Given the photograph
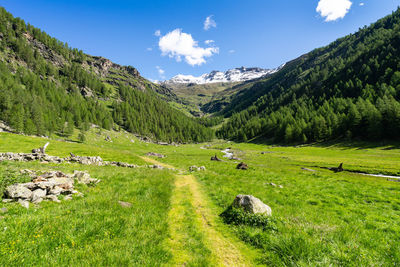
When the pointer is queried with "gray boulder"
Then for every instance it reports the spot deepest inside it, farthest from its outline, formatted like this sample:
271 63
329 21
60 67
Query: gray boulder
18 191
56 190
251 204
52 198
24 203
38 195
84 178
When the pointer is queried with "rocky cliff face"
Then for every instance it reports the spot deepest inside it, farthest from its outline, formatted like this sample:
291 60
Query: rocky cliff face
108 71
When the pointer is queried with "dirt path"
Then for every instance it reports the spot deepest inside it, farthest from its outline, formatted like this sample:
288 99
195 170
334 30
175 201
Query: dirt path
155 162
224 251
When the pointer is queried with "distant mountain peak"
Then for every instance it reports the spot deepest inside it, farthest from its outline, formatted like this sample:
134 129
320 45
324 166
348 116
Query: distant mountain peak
241 74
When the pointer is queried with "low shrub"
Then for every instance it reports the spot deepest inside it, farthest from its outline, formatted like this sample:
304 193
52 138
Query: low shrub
238 216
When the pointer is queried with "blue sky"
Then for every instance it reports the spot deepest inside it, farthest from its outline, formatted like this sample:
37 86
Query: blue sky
250 33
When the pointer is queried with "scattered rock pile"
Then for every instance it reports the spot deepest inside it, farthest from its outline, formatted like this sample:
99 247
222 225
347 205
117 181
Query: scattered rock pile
242 166
29 157
40 155
47 186
119 164
155 155
251 204
195 168
98 161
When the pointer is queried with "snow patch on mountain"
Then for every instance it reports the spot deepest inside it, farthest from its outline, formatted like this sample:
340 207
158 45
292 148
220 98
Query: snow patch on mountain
233 75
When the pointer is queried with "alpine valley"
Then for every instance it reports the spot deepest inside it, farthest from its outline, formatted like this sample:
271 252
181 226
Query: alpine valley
293 166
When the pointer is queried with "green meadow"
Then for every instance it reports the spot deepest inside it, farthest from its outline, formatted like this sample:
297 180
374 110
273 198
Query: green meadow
319 218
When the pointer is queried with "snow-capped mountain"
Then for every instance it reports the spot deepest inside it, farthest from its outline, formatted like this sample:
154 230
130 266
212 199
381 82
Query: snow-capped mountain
233 75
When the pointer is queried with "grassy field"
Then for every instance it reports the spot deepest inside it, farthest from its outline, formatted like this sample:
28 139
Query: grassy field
319 218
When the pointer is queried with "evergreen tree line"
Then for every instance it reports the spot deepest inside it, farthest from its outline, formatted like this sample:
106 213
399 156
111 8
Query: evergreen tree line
302 121
34 106
40 97
350 88
145 114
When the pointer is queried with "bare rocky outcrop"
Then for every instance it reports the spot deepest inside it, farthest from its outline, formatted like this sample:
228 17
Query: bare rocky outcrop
251 204
47 186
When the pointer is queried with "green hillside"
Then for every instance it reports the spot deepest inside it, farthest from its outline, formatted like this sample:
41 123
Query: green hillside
350 88
48 87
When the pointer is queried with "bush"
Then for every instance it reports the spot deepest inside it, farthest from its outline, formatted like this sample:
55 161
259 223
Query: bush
237 216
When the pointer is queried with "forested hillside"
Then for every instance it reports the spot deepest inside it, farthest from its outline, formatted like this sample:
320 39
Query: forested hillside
350 88
46 87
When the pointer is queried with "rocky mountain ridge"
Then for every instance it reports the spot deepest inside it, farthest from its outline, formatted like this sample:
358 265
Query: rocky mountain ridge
241 74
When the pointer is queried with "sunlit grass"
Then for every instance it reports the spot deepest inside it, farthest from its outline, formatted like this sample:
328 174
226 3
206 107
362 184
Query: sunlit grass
321 218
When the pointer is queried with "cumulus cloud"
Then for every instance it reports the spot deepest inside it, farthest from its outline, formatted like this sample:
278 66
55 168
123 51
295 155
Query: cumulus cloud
362 4
161 72
209 23
333 10
157 33
208 42
178 45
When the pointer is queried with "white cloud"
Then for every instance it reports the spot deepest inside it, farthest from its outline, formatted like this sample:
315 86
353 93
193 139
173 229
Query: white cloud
208 42
157 33
149 49
161 72
362 4
209 23
177 44
231 51
333 10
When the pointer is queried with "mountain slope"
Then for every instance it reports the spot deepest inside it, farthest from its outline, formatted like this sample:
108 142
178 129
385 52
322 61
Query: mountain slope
48 88
350 88
233 75
197 94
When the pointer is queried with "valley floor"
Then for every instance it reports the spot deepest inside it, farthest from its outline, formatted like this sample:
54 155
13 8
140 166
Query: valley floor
319 217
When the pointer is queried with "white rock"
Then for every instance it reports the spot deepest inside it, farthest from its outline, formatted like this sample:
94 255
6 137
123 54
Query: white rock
18 191
56 190
24 203
251 204
52 198
38 195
